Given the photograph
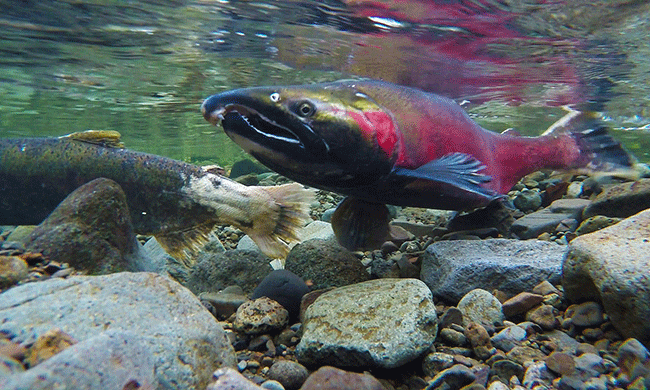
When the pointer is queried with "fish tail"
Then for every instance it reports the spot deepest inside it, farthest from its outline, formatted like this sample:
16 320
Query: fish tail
599 152
279 228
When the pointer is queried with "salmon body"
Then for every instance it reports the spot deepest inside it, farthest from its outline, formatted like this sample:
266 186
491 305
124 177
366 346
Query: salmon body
177 202
386 143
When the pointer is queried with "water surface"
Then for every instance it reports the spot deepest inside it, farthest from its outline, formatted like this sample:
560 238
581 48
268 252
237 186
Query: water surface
143 67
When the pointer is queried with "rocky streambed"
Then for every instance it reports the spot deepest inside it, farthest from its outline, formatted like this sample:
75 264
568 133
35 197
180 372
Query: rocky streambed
552 292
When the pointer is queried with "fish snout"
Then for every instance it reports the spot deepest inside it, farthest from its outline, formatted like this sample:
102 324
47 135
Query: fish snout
211 111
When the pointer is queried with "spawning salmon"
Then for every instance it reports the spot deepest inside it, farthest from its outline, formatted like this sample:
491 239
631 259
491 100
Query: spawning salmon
388 144
177 202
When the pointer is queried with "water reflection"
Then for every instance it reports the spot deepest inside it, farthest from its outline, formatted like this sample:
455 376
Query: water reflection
143 67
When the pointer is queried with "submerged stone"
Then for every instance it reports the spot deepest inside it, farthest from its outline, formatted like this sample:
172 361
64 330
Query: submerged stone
128 326
453 268
91 230
381 323
611 266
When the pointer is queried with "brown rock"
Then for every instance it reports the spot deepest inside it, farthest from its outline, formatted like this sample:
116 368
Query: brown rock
12 350
290 374
545 288
263 315
523 354
47 345
521 303
331 378
451 316
480 340
13 269
543 316
91 230
561 363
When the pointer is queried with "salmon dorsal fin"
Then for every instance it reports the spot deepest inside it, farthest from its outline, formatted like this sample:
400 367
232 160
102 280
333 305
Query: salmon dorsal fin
184 245
107 138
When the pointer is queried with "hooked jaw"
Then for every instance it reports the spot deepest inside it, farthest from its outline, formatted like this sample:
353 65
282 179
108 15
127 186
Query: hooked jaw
247 122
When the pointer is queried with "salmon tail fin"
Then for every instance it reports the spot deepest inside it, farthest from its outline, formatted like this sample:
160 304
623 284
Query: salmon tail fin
599 151
184 245
288 215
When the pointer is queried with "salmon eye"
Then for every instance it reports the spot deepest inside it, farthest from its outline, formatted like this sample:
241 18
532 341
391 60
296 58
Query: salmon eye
305 109
275 97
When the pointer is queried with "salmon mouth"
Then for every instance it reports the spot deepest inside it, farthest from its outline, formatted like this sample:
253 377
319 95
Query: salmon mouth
250 123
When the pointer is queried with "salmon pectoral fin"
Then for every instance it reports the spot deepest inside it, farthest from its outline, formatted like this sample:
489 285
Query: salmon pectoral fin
456 169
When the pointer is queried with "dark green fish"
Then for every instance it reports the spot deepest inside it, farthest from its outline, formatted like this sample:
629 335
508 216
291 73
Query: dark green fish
178 203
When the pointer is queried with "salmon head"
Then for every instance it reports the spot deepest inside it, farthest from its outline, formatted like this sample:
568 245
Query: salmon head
330 136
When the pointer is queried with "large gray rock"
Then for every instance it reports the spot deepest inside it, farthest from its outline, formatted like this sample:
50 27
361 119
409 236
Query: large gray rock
91 230
171 327
381 323
111 360
621 200
546 220
453 268
611 266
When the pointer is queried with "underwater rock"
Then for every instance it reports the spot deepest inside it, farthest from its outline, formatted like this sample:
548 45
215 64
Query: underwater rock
47 345
453 268
454 377
215 271
521 303
547 219
227 378
595 223
509 338
331 378
13 269
325 263
148 323
262 315
110 360
20 233
91 230
611 266
528 200
284 287
317 229
290 374
586 314
544 316
621 200
481 307
9 366
382 323
225 302
634 360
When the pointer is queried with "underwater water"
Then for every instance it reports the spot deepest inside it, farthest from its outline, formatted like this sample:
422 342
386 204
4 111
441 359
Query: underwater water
143 67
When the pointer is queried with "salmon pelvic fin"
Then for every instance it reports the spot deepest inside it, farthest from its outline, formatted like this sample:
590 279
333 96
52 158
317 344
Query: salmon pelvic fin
598 150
